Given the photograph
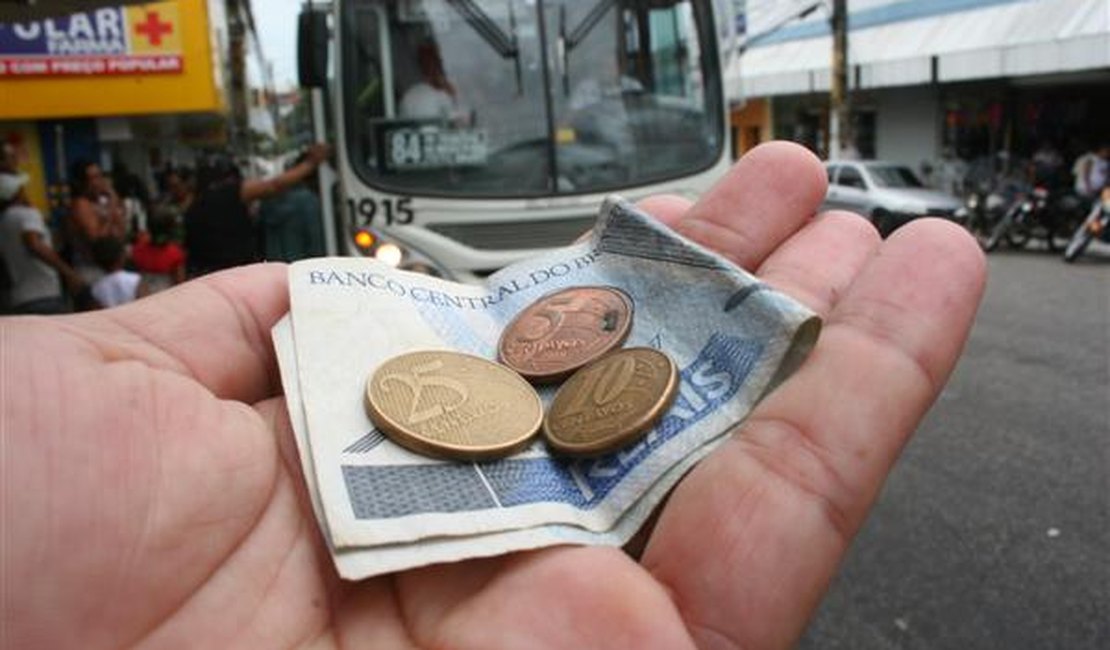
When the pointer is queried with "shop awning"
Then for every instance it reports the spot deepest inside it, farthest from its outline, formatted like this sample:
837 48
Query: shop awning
888 47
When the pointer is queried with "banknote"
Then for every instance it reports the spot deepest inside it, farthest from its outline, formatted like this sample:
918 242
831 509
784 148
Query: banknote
731 336
365 562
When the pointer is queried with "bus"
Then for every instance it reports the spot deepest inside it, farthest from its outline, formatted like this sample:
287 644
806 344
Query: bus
473 133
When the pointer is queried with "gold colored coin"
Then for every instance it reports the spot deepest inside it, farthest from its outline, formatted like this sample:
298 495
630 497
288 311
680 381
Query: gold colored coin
564 331
611 402
453 405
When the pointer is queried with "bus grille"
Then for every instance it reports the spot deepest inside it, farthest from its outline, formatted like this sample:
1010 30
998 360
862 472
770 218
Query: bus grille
514 235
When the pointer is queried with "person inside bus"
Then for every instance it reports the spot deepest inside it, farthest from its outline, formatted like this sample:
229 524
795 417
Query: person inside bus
160 497
433 97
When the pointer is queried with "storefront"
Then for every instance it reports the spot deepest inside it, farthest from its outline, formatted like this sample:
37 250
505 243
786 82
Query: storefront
933 80
137 86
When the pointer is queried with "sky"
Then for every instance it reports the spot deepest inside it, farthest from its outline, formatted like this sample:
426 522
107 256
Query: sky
276 22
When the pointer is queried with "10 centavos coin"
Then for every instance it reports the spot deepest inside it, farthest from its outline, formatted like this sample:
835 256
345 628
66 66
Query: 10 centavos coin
611 402
453 405
563 331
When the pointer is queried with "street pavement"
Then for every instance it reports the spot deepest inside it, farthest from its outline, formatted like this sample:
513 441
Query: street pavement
993 531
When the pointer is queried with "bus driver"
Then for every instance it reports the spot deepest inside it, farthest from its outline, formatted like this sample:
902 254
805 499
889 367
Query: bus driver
433 97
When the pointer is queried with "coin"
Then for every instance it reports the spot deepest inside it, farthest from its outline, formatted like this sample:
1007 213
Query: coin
453 405
611 402
563 331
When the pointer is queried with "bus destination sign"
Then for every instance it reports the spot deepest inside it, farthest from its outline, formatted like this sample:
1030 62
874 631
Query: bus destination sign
411 147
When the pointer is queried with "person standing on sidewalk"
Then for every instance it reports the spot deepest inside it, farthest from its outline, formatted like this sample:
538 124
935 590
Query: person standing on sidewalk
1092 171
292 223
117 286
96 212
219 230
32 264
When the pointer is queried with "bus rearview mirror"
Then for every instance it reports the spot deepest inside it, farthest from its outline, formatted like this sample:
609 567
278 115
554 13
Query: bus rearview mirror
312 48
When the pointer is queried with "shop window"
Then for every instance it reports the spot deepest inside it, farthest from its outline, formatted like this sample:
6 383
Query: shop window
863 130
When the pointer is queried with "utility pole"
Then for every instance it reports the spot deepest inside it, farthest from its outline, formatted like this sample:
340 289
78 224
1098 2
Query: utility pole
237 77
840 104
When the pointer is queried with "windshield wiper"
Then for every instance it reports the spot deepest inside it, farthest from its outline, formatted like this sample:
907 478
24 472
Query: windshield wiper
568 42
579 33
504 44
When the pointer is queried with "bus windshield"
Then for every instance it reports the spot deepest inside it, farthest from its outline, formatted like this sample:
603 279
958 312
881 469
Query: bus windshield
528 98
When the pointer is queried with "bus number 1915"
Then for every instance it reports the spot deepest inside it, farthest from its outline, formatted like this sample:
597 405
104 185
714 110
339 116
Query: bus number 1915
366 210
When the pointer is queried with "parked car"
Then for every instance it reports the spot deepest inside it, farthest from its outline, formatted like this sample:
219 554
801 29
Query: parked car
887 193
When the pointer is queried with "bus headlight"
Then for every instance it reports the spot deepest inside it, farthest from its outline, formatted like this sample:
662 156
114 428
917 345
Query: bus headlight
396 254
390 253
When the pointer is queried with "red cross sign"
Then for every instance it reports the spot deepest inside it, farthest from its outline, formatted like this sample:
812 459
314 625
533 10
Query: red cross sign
154 28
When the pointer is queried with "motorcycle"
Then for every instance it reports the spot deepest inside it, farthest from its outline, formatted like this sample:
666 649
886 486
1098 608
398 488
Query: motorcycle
1097 224
985 205
1035 214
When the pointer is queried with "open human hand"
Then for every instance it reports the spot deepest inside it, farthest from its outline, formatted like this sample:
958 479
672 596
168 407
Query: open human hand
152 497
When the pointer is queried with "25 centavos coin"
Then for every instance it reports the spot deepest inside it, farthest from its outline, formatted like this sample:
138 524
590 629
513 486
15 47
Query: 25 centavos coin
453 405
611 402
563 331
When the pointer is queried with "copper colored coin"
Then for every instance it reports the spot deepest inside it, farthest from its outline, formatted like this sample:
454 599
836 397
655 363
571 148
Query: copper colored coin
565 330
453 405
611 402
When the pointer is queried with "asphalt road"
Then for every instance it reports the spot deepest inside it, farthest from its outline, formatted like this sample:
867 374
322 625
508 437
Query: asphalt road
993 531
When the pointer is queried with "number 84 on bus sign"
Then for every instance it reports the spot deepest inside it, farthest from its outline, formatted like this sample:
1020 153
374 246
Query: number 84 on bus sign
429 147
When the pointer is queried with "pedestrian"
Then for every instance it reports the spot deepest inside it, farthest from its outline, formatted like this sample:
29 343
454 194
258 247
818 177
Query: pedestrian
1091 171
176 188
1045 166
292 223
134 197
156 255
34 269
9 158
117 286
219 231
95 212
152 451
848 150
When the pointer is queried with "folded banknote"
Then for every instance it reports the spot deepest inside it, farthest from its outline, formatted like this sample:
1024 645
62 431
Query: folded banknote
731 336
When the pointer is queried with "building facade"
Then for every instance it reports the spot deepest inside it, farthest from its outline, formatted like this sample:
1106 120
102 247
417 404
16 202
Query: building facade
935 79
137 86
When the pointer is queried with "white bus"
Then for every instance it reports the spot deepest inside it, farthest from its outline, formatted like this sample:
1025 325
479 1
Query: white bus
472 133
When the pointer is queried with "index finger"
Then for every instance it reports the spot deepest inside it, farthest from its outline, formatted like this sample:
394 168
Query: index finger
764 198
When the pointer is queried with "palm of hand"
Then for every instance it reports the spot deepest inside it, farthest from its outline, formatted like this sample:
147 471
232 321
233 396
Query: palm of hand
150 505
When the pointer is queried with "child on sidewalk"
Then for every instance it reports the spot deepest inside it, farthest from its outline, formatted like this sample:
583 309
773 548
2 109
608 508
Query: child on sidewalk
156 255
117 286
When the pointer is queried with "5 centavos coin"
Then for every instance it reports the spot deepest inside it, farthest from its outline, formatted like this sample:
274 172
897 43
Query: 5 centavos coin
611 402
563 331
453 405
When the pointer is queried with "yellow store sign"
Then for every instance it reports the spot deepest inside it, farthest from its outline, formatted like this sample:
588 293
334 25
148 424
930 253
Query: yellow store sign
138 59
